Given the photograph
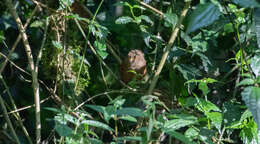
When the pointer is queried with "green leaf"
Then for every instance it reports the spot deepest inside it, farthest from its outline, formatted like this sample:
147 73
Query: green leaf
170 19
147 19
97 124
129 138
206 106
255 65
251 97
247 3
191 133
231 114
62 129
257 24
204 15
247 81
178 123
246 115
179 136
216 118
124 20
128 118
135 112
106 111
204 88
101 49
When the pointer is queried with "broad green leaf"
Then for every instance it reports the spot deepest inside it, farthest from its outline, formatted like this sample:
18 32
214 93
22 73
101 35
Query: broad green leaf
231 114
246 115
62 129
216 118
247 81
188 71
106 111
206 106
128 118
97 124
247 3
255 65
179 136
257 24
170 19
203 15
129 138
251 96
206 135
199 44
204 88
177 123
191 133
147 19
124 20
249 133
135 112
101 49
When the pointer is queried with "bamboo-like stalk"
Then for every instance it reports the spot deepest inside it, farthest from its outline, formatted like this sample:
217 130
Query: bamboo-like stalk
169 46
8 119
32 67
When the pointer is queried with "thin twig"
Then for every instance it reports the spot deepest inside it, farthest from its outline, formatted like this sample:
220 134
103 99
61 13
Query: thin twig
16 115
8 120
169 46
152 8
18 39
26 107
35 83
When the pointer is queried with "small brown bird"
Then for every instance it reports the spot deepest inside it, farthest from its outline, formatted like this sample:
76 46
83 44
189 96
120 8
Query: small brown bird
135 61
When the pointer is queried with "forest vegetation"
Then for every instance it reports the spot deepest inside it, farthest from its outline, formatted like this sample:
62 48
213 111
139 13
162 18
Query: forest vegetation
129 71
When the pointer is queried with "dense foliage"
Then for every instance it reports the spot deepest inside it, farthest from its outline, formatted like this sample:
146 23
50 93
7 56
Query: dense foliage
60 79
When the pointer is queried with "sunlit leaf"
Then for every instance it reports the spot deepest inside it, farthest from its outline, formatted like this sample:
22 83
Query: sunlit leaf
246 81
101 49
124 20
97 124
177 123
216 118
251 96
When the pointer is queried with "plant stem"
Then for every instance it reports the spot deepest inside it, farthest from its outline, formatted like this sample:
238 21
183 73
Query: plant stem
35 83
168 48
8 119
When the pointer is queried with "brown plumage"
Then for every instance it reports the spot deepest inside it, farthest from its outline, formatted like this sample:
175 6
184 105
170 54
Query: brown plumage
134 61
